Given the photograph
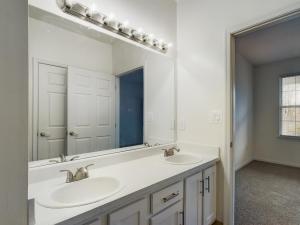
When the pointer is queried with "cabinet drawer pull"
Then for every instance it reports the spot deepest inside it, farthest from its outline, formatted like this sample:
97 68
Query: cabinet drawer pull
171 196
202 187
208 184
181 217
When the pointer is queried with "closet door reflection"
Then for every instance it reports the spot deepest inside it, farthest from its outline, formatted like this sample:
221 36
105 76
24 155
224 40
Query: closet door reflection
91 111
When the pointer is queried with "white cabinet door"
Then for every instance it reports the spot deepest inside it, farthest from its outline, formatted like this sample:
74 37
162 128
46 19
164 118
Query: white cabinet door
91 111
194 190
52 111
134 214
209 203
171 216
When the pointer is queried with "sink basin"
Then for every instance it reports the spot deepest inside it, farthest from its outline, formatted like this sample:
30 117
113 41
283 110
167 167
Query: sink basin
80 193
182 159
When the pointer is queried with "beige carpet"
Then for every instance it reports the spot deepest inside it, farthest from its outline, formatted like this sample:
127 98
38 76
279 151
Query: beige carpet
267 194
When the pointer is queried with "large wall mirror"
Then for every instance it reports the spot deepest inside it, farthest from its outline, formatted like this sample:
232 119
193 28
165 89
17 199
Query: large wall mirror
91 93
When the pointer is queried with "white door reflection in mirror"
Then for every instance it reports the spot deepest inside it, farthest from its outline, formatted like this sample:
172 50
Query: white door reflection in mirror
91 111
52 111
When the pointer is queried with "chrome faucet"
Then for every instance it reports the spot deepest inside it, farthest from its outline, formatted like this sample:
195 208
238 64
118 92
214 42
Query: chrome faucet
81 173
63 158
170 151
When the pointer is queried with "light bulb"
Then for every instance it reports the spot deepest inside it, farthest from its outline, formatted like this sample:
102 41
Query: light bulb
137 34
124 28
111 16
140 30
93 8
125 23
69 3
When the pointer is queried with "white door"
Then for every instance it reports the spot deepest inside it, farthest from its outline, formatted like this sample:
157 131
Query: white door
171 216
194 190
134 214
209 203
91 111
52 111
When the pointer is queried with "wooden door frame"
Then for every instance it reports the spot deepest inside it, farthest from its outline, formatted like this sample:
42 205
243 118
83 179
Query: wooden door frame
231 35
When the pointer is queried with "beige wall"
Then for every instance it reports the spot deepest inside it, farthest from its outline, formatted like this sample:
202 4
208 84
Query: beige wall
243 140
268 147
13 112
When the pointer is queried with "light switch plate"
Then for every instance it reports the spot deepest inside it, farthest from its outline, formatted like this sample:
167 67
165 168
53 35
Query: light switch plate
216 116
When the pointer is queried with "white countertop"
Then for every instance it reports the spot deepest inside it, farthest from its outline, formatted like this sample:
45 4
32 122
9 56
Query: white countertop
135 175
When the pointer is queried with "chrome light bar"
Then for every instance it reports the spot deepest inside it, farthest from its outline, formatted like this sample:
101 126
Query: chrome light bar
108 22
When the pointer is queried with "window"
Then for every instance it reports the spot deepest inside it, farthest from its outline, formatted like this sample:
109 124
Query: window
290 106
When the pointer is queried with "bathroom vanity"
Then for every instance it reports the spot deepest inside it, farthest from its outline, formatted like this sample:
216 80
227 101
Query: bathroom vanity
151 190
102 146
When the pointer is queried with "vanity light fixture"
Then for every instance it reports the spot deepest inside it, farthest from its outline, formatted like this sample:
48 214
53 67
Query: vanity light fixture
95 17
75 8
138 34
92 15
125 29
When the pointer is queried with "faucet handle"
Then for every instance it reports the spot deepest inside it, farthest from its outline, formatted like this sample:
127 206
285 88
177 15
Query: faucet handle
177 149
86 169
82 173
70 176
89 165
75 157
62 157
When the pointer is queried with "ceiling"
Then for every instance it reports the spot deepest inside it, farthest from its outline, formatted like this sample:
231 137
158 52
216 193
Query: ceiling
275 43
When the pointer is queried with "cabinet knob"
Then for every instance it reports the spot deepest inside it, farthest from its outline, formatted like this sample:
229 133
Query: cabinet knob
73 134
44 134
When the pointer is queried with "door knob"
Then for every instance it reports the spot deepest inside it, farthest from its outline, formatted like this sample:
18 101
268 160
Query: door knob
44 134
72 133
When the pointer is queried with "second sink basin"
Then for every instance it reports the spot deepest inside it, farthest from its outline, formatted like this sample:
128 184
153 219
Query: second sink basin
80 192
183 159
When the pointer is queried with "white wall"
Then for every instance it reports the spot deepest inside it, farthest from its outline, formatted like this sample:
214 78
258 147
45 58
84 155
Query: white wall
201 39
243 140
50 42
13 112
159 77
268 147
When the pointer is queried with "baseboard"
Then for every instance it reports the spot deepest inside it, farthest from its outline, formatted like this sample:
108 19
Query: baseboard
243 164
277 162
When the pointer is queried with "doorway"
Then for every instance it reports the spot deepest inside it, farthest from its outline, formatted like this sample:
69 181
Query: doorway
131 108
233 113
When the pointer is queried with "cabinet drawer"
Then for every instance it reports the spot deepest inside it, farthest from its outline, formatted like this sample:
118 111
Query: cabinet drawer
166 197
171 215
